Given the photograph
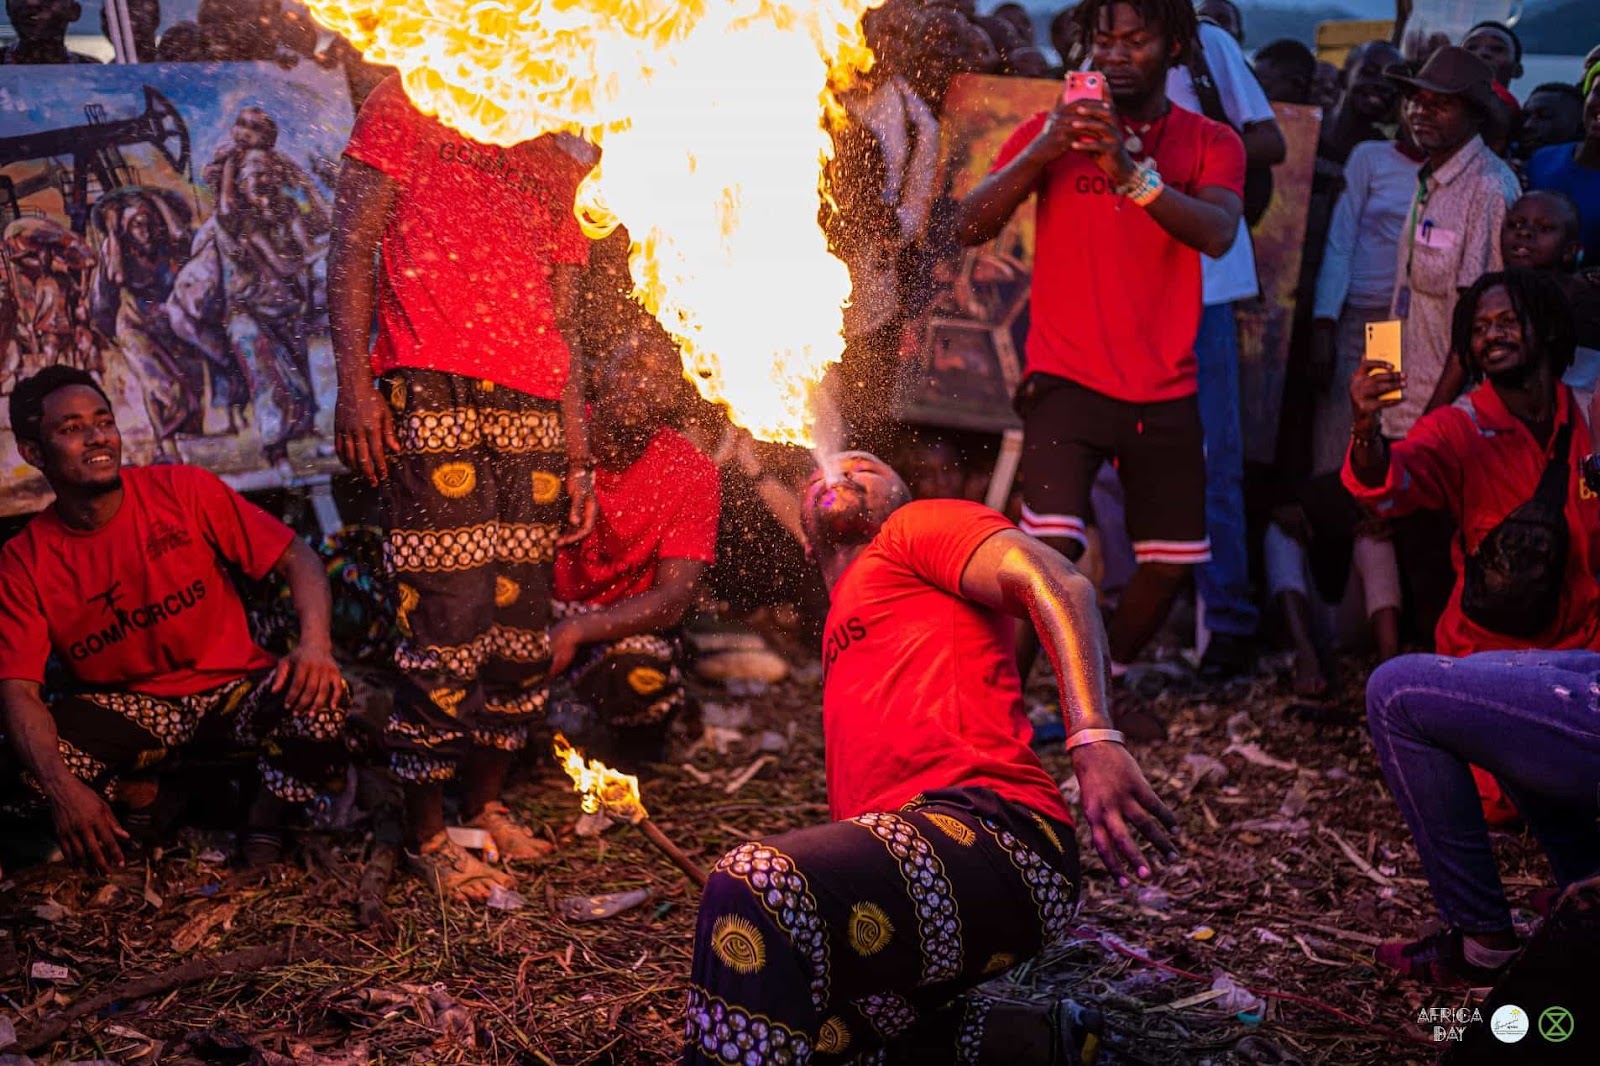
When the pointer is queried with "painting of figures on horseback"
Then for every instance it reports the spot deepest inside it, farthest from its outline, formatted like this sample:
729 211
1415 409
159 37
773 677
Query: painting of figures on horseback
166 228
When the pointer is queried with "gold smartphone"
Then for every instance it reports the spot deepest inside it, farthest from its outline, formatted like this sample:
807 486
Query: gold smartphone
1383 346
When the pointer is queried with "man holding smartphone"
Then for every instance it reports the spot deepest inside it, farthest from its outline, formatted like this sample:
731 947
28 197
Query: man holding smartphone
1131 190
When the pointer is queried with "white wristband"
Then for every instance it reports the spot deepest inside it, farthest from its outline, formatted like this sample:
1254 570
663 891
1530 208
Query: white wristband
1094 736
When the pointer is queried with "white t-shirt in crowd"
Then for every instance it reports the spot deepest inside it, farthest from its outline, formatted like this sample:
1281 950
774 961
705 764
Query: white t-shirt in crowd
1369 220
1233 276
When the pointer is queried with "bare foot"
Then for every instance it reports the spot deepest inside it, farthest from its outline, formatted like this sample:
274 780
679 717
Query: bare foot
1309 680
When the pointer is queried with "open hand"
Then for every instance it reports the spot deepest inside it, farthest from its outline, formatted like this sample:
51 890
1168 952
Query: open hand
1117 800
363 431
1055 138
311 676
85 827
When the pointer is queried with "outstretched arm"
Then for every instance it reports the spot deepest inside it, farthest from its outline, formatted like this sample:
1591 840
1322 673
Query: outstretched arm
1013 573
89 834
1016 574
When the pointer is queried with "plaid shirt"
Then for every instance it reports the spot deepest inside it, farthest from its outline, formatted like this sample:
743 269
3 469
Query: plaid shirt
1451 238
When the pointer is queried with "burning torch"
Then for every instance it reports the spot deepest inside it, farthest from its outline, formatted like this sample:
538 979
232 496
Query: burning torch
617 794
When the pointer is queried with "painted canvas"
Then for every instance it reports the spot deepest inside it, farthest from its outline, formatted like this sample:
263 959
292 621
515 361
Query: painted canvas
166 227
1266 321
962 349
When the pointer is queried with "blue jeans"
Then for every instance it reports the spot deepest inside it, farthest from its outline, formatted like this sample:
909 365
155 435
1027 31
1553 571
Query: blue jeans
1531 718
1224 582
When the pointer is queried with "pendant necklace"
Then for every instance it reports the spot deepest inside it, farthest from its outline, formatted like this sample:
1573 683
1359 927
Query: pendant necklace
1133 136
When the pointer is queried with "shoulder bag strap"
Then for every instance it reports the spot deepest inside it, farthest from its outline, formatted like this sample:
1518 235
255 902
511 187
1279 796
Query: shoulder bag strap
1205 86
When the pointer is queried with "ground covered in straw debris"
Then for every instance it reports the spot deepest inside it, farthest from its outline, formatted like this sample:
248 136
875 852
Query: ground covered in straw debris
1296 865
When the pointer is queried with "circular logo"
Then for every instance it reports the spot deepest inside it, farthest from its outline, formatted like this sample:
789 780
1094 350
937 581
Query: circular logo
455 480
546 487
1555 1024
1509 1024
645 680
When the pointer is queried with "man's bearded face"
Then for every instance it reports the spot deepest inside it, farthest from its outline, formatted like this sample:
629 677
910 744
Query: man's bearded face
853 507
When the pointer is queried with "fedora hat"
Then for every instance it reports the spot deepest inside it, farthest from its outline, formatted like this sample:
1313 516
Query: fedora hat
1452 71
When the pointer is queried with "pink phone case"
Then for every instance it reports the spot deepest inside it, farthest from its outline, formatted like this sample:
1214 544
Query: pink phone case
1083 85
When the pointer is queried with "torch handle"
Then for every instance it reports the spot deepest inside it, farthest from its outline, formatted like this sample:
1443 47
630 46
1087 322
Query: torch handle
671 851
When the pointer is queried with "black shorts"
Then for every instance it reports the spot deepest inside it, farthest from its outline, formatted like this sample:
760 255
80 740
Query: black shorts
1068 430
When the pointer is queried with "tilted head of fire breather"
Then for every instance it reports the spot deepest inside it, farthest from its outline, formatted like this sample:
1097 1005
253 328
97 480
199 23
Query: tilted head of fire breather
842 512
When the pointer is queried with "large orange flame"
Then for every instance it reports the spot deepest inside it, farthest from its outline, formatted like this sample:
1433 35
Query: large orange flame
711 115
602 788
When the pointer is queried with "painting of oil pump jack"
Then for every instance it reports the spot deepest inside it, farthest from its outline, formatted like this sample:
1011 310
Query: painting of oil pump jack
166 227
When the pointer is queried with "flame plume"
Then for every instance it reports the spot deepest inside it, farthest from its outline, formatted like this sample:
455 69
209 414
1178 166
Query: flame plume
712 116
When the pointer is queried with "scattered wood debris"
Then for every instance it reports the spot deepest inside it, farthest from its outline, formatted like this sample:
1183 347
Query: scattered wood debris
1257 942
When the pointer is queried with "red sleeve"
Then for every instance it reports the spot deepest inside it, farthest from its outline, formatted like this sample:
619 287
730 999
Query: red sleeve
386 132
1019 139
935 539
693 531
237 529
24 632
1222 165
1423 468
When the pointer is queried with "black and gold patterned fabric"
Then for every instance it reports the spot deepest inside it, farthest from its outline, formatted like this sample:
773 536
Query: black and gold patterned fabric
473 505
849 941
105 737
633 682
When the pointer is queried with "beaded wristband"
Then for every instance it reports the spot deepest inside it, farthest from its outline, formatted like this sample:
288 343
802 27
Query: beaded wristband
1094 736
1144 186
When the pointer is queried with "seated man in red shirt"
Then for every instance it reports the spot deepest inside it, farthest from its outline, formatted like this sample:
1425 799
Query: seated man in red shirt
123 578
620 592
952 856
1513 447
1131 190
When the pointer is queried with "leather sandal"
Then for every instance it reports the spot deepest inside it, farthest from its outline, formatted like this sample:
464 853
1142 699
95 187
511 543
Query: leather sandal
517 843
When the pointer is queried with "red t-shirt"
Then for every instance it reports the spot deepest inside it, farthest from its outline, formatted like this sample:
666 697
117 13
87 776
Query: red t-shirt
1116 298
1480 465
664 506
143 602
469 247
920 688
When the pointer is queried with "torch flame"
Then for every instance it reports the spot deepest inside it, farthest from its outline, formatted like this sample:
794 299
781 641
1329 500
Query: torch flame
602 788
712 116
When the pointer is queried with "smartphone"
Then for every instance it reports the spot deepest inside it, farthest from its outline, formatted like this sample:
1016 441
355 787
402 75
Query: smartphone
1083 85
1383 346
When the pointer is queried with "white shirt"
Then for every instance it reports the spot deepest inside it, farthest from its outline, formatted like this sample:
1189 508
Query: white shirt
1233 276
1358 265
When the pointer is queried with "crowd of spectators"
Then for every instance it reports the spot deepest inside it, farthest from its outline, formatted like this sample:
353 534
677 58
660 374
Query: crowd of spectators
560 517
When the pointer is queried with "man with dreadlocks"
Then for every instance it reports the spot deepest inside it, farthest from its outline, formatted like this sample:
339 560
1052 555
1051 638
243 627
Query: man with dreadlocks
1496 463
1131 190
